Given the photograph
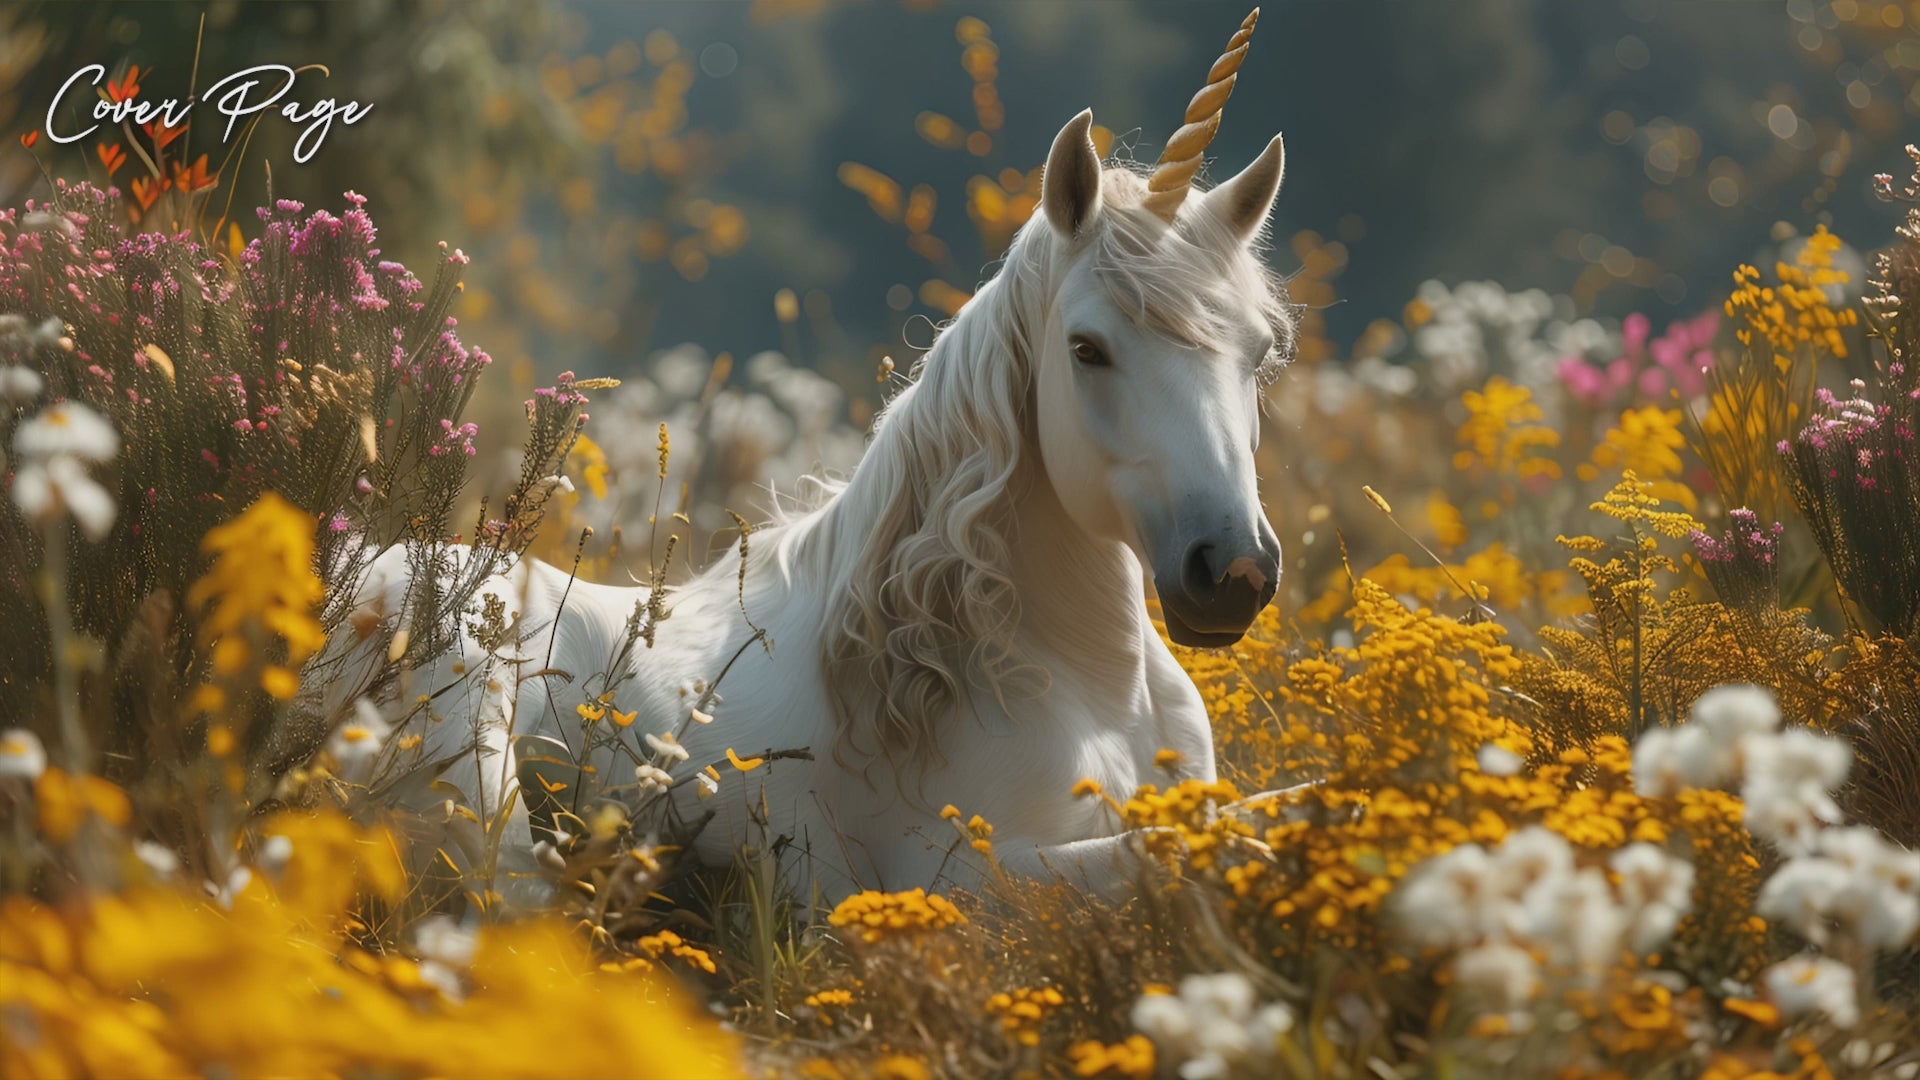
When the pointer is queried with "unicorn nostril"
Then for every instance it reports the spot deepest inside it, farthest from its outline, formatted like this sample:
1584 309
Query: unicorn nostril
1196 570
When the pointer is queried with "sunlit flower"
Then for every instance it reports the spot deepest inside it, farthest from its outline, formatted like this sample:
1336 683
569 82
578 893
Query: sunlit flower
1211 1027
1656 888
1444 903
1497 760
67 429
1668 760
19 384
1808 983
1502 975
21 755
356 744
1735 711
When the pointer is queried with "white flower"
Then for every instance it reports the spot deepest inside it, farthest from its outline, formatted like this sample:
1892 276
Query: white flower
1162 1018
237 881
1801 894
667 747
1788 819
159 859
19 383
21 755
1798 758
709 785
1228 994
1504 976
1667 761
1526 859
1656 889
356 744
653 779
1865 849
1211 1028
44 488
440 939
1733 712
699 717
67 429
1443 903
1271 1022
1496 760
274 852
1578 921
1808 983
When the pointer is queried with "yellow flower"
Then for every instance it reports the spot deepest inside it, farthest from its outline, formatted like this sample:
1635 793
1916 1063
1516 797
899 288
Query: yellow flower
66 800
879 915
262 574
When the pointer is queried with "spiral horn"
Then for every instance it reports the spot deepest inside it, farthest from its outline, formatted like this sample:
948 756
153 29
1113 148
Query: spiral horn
1173 174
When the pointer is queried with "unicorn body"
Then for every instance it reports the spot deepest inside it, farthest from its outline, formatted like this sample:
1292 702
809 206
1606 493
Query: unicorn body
962 623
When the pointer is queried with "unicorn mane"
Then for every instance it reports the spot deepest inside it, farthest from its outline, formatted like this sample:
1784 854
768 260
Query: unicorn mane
917 545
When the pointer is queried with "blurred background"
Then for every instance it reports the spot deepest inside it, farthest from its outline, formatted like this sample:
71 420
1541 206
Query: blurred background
743 209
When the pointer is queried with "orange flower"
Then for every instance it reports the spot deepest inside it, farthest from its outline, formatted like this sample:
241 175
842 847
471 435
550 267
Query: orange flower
147 192
111 156
193 179
161 134
29 138
128 86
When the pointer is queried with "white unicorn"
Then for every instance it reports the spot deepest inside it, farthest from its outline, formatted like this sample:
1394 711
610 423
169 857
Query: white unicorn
964 621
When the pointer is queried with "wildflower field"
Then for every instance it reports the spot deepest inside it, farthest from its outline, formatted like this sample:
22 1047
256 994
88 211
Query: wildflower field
1592 686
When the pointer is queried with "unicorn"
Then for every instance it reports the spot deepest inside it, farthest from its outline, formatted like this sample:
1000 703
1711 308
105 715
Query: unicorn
962 624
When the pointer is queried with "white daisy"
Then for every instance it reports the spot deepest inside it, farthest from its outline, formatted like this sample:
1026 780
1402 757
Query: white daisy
21 755
1808 983
67 429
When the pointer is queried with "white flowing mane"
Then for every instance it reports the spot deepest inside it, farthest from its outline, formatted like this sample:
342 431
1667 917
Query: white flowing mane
914 550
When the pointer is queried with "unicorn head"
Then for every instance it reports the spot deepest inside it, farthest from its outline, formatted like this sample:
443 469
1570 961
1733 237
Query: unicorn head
1148 376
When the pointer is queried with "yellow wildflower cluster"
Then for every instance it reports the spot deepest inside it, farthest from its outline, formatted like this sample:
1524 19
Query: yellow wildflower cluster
976 830
1505 433
1797 311
880 915
1494 575
667 943
1131 1059
1646 442
1395 725
65 801
261 579
830 999
155 981
1023 1011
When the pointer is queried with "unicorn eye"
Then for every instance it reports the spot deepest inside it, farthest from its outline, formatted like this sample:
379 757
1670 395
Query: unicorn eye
1088 353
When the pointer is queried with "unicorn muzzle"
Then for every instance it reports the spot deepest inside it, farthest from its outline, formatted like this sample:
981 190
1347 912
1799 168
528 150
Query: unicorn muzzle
1219 587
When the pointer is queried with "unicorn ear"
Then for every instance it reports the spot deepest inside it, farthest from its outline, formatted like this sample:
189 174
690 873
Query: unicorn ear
1242 203
1070 187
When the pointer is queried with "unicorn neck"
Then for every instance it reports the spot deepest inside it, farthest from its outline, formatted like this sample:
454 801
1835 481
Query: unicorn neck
1082 597
954 473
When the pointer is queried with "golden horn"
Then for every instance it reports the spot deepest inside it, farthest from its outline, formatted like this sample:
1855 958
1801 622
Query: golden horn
1173 174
